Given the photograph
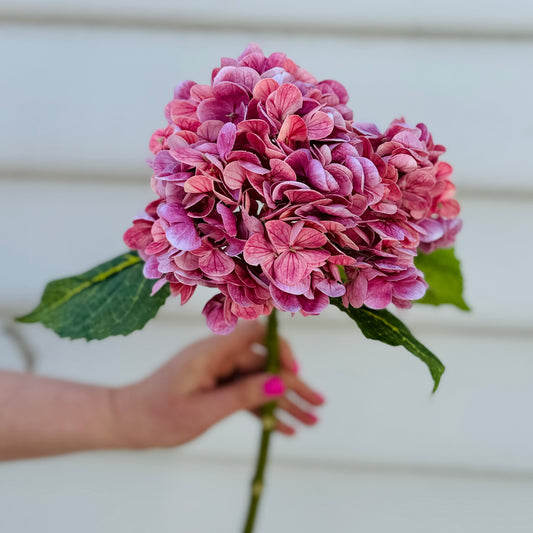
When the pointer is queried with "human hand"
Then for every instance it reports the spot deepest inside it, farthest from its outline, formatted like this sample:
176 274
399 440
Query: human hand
206 382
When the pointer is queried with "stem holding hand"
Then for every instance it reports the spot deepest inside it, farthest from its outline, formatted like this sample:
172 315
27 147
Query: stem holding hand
268 422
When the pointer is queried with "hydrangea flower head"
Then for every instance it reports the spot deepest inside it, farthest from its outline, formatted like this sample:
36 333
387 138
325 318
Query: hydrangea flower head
267 190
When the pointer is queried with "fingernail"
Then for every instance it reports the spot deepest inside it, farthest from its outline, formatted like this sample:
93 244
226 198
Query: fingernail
320 398
313 418
295 367
274 386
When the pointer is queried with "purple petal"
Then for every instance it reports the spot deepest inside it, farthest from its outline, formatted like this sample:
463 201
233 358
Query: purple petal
150 268
182 235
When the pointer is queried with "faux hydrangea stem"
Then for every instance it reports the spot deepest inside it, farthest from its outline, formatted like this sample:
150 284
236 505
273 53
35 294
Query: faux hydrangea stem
268 420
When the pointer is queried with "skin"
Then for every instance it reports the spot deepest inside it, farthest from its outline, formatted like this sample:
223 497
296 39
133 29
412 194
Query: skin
203 384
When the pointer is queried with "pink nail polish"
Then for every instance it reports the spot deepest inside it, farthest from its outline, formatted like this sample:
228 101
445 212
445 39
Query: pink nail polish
313 418
295 367
320 398
274 386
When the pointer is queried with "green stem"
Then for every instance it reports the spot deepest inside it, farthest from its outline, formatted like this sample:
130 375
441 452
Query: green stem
268 421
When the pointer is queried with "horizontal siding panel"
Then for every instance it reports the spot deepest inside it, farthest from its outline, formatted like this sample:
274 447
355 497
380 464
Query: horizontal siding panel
10 356
168 492
453 16
57 229
83 102
379 408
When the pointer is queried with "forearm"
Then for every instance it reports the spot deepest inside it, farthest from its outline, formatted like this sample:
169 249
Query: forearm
42 416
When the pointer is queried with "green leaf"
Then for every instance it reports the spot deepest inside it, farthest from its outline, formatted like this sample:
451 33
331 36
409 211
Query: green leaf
383 326
442 271
110 299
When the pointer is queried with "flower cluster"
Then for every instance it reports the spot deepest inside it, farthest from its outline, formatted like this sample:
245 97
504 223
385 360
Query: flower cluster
269 192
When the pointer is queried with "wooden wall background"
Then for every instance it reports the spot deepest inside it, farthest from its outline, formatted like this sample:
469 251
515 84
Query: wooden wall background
82 87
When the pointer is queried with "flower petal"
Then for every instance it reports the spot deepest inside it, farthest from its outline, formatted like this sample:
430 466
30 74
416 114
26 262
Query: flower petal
319 125
279 233
182 235
290 267
293 130
257 250
216 263
219 321
284 101
226 139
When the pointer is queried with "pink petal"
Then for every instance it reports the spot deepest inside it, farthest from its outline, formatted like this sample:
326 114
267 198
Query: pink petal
185 291
198 184
314 306
226 139
189 156
379 294
279 233
280 170
293 130
284 301
216 263
183 90
159 284
210 129
319 125
244 76
139 236
344 260
150 268
309 238
257 250
412 289
290 268
313 257
302 287
264 88
321 178
234 175
219 321
182 235
299 196
285 101
172 212
356 291
228 219
331 288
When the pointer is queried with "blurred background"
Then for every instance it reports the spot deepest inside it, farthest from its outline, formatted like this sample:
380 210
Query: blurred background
84 85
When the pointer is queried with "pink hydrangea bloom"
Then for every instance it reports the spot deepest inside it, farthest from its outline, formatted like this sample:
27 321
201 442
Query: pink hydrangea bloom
266 187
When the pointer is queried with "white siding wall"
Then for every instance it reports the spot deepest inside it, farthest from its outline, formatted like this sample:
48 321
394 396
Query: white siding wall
82 87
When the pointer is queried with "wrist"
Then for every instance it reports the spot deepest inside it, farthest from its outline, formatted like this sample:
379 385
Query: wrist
126 413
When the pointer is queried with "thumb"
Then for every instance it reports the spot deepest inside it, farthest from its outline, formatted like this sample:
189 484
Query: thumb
247 393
